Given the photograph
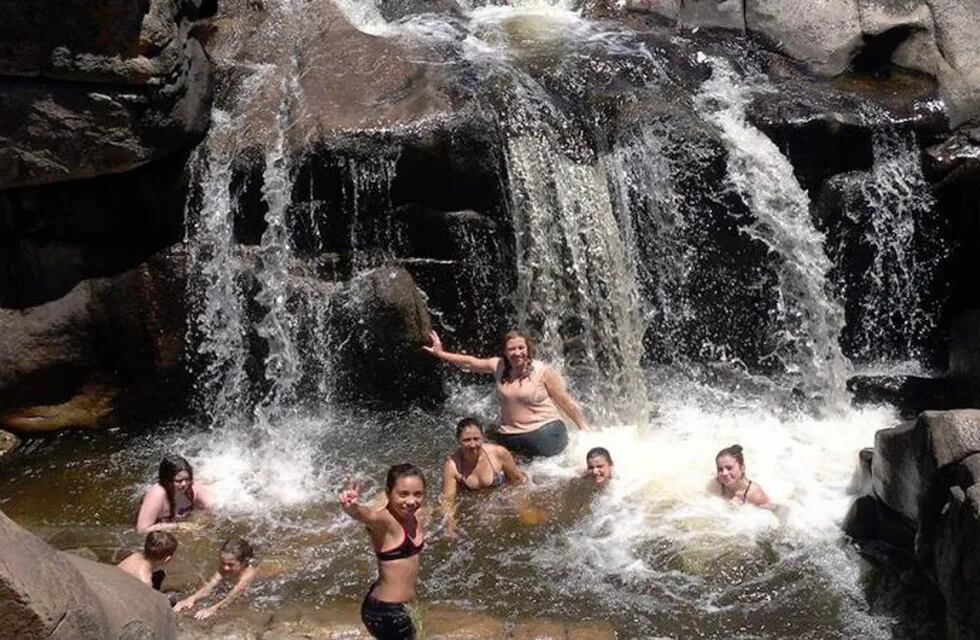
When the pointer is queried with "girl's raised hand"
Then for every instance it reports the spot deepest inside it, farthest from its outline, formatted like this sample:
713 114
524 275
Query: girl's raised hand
435 344
350 493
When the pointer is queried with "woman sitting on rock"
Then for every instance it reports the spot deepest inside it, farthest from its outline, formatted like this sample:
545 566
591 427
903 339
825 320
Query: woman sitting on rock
172 498
732 481
476 464
530 394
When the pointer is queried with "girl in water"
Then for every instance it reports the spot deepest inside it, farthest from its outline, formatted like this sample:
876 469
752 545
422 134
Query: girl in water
530 394
599 466
172 498
476 464
398 538
234 565
732 481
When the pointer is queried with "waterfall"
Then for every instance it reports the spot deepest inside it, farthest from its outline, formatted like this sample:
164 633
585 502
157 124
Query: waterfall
809 318
892 214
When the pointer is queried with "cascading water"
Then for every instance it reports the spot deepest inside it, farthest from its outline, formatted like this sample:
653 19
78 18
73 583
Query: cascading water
893 237
809 320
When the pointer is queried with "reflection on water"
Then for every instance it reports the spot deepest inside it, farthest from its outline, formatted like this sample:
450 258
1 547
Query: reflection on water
655 553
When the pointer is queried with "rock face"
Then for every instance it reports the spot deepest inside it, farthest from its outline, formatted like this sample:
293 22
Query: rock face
931 37
385 321
106 333
98 87
925 480
45 594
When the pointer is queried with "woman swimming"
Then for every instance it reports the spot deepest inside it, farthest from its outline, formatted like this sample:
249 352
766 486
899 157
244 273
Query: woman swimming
732 481
599 465
398 538
476 464
172 498
530 394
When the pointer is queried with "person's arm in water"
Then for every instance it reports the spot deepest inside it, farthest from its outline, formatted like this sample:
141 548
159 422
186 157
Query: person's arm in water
511 471
459 360
206 588
758 497
556 390
241 586
150 510
449 496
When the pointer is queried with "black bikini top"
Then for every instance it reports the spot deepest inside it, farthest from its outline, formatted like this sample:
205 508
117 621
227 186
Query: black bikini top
406 549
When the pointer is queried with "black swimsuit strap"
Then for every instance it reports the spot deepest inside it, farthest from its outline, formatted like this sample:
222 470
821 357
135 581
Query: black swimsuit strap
746 494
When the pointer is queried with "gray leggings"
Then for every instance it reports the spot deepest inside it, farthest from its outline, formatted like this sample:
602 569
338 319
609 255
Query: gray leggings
550 440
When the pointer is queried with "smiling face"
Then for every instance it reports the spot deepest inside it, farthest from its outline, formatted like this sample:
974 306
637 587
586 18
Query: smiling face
470 439
729 471
406 496
600 470
229 566
515 351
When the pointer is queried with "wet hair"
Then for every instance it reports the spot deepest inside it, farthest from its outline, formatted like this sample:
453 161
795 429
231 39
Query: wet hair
238 547
510 335
170 466
734 451
598 452
403 470
159 545
468 422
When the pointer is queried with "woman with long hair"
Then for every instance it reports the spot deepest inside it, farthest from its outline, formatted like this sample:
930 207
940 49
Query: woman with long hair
530 394
172 498
398 538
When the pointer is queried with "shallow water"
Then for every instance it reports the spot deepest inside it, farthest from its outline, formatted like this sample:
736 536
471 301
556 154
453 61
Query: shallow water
656 554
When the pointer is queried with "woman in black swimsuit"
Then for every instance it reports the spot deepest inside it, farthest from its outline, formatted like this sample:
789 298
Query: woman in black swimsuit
476 464
398 537
732 481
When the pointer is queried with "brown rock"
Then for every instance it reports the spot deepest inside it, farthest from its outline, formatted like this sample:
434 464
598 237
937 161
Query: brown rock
84 410
8 444
45 594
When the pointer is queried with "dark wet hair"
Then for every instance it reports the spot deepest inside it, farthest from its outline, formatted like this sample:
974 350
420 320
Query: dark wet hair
403 470
170 466
467 422
238 547
159 545
510 335
599 451
735 451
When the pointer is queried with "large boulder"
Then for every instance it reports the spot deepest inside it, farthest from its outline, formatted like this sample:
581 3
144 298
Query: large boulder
97 87
382 321
71 354
823 35
49 595
956 562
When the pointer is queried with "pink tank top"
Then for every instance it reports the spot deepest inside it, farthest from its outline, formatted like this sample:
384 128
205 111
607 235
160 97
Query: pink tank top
525 405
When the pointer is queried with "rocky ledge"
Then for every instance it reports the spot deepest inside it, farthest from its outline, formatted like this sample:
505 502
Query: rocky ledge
925 498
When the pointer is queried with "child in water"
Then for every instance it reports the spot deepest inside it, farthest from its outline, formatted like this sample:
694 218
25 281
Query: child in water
234 565
732 481
147 565
599 466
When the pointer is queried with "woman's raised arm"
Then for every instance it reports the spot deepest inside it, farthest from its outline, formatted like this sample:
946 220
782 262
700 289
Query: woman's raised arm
459 360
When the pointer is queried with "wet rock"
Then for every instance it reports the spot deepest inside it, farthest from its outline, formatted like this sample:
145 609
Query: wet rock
956 562
69 354
58 596
666 9
722 14
824 36
911 394
84 410
8 444
96 88
393 10
964 352
54 236
381 321
383 85
895 470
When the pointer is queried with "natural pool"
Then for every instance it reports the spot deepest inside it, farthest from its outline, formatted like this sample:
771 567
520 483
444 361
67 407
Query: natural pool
656 555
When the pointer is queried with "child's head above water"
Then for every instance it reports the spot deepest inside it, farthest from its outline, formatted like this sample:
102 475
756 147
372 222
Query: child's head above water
236 554
600 465
159 546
